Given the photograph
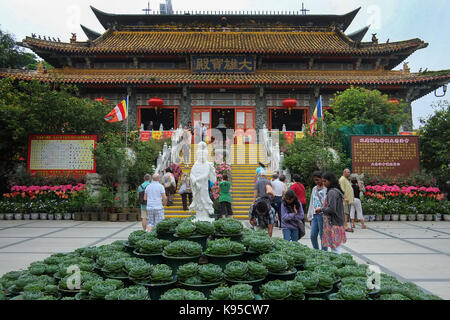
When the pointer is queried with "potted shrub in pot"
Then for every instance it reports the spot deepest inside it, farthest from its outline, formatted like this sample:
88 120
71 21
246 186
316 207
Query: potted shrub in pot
156 278
241 292
412 213
280 266
151 250
135 237
228 228
256 245
251 273
317 284
181 252
197 232
201 278
166 228
18 211
222 251
276 290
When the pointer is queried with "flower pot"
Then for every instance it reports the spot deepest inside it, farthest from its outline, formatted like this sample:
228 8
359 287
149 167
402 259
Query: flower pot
67 216
256 284
373 217
85 216
9 216
411 217
223 260
395 217
51 216
232 237
446 217
200 239
78 216
429 217
43 216
128 248
94 216
18 216
167 236
175 262
378 217
150 258
122 217
387 217
420 217
58 216
112 217
366 218
318 294
35 216
285 276
156 290
251 256
403 217
2 216
437 217
103 216
204 288
131 217
27 216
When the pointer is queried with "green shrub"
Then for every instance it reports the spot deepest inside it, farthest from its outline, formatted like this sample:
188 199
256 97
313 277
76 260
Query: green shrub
242 292
224 247
352 292
228 226
183 248
182 294
309 279
220 293
161 273
151 246
204 228
186 229
134 293
210 273
277 262
276 290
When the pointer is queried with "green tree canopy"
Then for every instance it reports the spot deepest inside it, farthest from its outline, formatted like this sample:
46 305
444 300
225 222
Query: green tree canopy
363 106
11 56
435 143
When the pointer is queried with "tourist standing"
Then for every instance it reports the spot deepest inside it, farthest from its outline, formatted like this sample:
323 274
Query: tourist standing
156 198
258 171
204 131
263 188
356 205
285 185
141 190
300 190
278 191
187 140
318 196
177 173
333 215
292 217
261 216
348 196
186 191
169 185
225 198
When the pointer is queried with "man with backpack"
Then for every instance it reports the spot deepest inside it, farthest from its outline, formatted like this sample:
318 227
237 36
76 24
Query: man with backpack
142 202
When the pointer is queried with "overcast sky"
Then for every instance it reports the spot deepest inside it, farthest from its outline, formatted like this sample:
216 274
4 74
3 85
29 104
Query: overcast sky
394 19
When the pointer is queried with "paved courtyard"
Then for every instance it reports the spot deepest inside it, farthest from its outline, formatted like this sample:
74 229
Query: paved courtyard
414 251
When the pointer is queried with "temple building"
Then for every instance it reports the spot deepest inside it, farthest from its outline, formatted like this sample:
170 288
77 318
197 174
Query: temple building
237 66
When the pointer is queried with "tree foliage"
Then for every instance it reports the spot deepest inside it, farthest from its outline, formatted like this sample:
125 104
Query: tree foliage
435 145
11 56
363 106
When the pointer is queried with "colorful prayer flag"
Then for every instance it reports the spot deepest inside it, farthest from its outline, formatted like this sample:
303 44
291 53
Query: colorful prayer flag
316 116
119 113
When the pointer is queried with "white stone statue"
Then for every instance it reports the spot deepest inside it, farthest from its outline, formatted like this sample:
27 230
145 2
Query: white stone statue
201 172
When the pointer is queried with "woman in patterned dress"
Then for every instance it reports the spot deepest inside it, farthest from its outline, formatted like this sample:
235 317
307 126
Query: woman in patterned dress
333 215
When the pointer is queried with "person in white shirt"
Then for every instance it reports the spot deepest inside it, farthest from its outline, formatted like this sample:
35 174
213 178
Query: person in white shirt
156 198
170 185
278 190
318 197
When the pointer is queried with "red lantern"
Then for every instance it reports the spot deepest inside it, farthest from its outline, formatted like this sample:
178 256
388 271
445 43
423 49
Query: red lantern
99 100
156 102
290 103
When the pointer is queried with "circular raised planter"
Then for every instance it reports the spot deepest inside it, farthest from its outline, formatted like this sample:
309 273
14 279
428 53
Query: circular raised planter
35 216
387 217
175 262
9 216
200 239
285 276
150 258
27 216
429 217
403 217
256 284
51 216
412 217
395 217
232 237
223 260
204 288
420 217
18 216
67 216
319 294
155 290
378 217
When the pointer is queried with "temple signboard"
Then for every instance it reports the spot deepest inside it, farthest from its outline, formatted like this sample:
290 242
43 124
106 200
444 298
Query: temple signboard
223 64
385 155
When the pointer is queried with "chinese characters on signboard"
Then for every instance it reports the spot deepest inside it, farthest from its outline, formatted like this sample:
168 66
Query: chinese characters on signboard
155 135
48 154
223 64
385 156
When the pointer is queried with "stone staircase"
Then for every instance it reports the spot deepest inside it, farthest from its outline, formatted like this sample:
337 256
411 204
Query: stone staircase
243 167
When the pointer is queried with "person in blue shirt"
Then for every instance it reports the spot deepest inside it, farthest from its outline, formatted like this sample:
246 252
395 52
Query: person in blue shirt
141 188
